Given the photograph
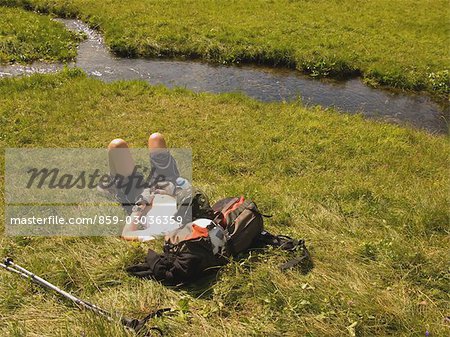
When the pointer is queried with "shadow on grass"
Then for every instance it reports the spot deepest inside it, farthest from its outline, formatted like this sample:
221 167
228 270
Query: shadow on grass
202 288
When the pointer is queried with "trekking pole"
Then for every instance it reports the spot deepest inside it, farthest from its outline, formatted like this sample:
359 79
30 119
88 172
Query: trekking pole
137 325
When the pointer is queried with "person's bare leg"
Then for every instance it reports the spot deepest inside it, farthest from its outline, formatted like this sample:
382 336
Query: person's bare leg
120 159
167 169
121 163
156 141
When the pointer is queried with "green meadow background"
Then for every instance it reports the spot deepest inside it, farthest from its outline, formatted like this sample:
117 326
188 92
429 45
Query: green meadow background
371 199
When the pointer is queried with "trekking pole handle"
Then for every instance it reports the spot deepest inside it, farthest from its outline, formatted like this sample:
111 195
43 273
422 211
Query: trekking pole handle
133 324
33 277
12 270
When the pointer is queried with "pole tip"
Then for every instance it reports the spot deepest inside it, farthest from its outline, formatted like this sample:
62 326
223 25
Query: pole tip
8 261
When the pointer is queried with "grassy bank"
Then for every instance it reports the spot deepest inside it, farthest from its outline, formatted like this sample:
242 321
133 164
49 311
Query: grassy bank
27 37
400 44
371 200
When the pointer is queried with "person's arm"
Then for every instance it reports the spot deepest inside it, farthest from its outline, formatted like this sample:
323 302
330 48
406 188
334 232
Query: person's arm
140 210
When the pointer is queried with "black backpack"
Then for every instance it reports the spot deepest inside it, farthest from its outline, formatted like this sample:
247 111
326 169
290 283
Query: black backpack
189 252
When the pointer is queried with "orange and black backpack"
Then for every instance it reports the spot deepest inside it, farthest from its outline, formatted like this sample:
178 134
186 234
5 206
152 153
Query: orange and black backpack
204 245
242 221
244 225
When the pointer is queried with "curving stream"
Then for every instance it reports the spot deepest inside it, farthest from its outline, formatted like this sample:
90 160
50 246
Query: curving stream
266 84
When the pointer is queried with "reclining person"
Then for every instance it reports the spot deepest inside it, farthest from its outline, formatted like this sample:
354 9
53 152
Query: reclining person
129 187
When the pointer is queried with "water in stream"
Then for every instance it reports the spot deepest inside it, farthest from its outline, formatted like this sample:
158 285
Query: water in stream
266 84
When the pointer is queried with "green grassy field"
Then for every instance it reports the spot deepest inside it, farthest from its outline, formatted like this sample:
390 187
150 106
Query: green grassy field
371 200
401 44
26 37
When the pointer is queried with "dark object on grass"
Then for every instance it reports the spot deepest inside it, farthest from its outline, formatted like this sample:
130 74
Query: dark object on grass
241 219
194 250
192 204
303 260
189 252
137 325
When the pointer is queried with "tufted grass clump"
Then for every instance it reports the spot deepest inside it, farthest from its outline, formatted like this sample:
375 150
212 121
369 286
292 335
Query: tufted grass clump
27 37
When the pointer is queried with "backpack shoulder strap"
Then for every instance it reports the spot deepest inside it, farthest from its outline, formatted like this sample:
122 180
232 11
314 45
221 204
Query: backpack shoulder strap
304 260
287 243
